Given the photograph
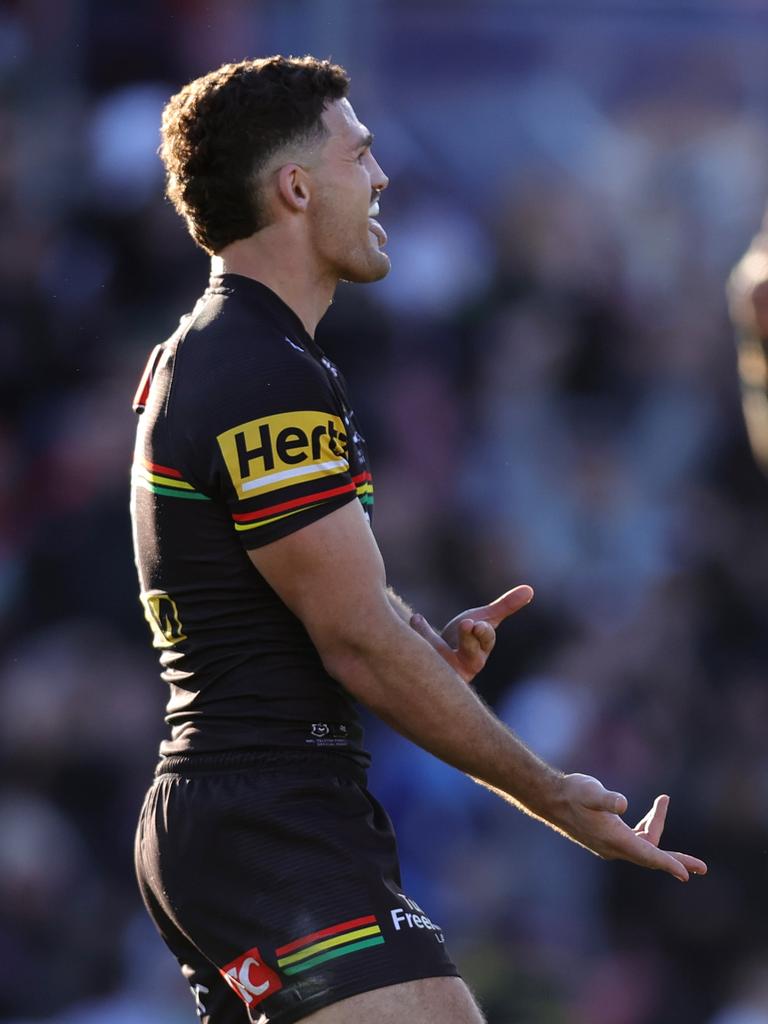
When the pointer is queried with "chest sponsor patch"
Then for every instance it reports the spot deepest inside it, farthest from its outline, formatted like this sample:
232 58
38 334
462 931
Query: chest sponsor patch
278 451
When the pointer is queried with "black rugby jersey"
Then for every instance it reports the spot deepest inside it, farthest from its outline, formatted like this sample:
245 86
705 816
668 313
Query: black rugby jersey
245 435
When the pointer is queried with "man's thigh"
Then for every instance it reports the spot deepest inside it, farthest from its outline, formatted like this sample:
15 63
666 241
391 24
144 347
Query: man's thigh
281 891
429 1001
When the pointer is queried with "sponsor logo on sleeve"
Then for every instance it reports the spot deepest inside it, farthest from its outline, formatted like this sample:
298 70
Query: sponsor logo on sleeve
161 613
288 448
250 978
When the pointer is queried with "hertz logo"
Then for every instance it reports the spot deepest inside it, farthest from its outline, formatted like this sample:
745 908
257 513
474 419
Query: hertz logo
288 448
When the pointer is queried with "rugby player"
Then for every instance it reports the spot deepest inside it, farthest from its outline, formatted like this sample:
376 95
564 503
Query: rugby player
269 869
748 301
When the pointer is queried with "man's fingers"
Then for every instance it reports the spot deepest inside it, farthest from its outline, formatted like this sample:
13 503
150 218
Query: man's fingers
420 625
607 835
507 604
637 850
680 865
691 864
663 861
467 650
652 825
470 645
485 635
642 849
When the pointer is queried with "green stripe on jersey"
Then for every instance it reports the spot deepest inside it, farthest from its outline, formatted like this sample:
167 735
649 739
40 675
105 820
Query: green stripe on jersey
173 492
332 954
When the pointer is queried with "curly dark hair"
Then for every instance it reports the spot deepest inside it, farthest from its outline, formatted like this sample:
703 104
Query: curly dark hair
221 129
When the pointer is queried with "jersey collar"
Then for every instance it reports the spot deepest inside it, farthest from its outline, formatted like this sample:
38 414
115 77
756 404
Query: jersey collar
255 293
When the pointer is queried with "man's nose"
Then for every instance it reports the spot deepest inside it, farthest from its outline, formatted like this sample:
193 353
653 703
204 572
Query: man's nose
379 180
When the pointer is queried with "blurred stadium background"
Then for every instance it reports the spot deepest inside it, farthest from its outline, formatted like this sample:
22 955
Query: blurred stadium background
547 379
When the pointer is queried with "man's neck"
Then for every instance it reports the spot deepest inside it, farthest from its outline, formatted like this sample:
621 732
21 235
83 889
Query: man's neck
267 259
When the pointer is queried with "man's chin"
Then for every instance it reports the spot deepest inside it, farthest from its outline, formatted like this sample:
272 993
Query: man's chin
376 269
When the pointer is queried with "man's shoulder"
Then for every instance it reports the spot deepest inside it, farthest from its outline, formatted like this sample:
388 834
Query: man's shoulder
225 345
222 333
231 367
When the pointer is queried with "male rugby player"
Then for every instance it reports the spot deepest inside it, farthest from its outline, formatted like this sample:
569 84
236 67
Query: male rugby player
269 869
748 300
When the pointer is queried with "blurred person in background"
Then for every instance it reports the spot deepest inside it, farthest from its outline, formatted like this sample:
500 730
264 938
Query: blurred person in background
748 301
268 868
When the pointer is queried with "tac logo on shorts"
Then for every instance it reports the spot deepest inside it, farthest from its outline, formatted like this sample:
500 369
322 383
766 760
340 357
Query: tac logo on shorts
250 978
329 944
289 448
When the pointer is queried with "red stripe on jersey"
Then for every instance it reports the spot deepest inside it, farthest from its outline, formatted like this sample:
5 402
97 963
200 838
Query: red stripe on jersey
247 517
346 926
164 470
361 478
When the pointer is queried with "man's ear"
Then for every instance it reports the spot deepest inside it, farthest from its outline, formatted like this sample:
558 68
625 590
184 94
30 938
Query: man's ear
293 187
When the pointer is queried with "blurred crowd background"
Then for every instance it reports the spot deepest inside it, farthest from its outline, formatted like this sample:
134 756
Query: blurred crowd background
548 386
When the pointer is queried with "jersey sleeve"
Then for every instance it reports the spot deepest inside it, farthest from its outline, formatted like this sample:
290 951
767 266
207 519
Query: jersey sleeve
274 449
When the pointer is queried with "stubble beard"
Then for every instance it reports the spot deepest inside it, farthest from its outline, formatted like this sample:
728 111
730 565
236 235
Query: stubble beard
352 255
377 266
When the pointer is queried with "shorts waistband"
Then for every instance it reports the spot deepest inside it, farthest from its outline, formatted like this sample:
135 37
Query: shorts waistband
283 761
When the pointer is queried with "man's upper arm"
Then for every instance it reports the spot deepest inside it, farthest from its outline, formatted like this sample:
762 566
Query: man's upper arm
269 441
331 575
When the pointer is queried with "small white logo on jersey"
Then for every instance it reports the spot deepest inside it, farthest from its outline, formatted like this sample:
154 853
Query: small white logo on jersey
293 344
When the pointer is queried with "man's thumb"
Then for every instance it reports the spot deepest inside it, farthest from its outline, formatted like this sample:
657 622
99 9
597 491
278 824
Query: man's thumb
597 798
509 603
616 803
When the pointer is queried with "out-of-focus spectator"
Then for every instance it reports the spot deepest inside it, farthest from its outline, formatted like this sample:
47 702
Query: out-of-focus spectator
748 299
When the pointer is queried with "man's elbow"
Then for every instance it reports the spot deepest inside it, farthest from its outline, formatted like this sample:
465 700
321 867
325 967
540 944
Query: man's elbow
345 652
345 663
359 653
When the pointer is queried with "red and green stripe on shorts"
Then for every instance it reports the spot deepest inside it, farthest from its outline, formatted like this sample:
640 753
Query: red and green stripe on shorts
328 944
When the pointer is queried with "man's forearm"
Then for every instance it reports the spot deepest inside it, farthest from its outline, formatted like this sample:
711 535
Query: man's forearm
332 577
406 683
339 592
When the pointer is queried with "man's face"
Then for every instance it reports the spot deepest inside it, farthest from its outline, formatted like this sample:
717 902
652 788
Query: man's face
346 185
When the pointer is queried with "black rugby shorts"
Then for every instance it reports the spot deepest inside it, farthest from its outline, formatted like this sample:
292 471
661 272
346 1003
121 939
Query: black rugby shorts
275 882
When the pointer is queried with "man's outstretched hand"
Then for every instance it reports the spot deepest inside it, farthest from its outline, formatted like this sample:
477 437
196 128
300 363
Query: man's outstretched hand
590 817
468 639
583 809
